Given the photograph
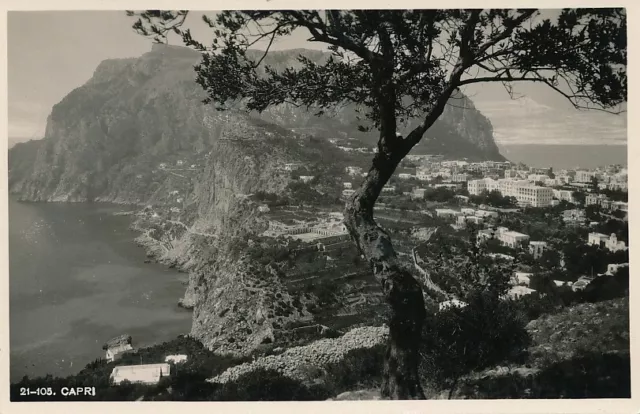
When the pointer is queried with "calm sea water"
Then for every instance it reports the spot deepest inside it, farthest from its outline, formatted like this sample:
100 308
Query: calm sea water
565 156
77 280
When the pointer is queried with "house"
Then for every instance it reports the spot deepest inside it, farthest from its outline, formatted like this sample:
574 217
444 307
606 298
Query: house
347 186
145 374
176 359
264 208
519 291
451 303
464 219
353 170
404 176
162 166
388 188
348 192
468 211
536 248
291 166
418 193
581 283
179 162
116 347
610 243
446 212
486 213
512 239
522 278
306 178
179 200
562 283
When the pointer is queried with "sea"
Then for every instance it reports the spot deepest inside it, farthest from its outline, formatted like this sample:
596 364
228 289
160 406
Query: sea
565 156
76 280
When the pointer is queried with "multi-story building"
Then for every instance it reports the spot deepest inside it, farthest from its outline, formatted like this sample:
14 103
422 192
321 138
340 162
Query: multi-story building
476 187
459 178
534 196
511 239
584 176
423 174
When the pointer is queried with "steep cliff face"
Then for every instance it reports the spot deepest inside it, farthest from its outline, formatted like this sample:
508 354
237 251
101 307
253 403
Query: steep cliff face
137 133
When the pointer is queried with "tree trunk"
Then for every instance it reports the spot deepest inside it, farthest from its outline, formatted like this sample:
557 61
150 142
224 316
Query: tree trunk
401 291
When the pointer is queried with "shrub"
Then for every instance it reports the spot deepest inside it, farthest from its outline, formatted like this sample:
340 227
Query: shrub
268 385
360 368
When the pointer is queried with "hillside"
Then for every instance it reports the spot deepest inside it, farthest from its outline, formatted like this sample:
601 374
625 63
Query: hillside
137 133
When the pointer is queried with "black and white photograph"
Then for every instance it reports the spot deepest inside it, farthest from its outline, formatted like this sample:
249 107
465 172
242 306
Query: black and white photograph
316 204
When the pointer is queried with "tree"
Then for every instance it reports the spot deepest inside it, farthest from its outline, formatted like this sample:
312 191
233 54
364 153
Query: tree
402 67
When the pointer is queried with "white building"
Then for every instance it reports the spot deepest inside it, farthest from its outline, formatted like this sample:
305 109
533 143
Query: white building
476 187
388 188
264 208
353 170
418 193
536 248
459 178
451 303
404 176
306 178
468 211
584 176
608 242
566 195
347 186
446 212
176 359
145 374
348 192
519 291
534 196
463 220
423 174
486 213
537 177
522 278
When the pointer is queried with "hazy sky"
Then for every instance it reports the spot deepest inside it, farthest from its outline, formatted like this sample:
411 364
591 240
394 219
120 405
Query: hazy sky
51 53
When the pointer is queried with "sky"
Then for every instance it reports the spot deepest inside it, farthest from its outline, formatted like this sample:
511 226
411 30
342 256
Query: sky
52 52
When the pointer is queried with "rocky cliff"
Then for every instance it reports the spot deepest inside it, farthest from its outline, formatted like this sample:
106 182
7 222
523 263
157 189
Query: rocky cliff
137 133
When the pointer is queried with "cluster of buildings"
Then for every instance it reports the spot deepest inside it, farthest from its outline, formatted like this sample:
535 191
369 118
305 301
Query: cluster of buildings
605 203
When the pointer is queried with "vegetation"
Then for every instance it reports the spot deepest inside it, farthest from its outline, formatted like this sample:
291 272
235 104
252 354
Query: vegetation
495 199
398 66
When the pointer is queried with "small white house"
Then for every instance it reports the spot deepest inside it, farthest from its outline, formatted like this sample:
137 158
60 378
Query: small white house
536 248
347 186
176 359
306 178
145 374
451 303
263 208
